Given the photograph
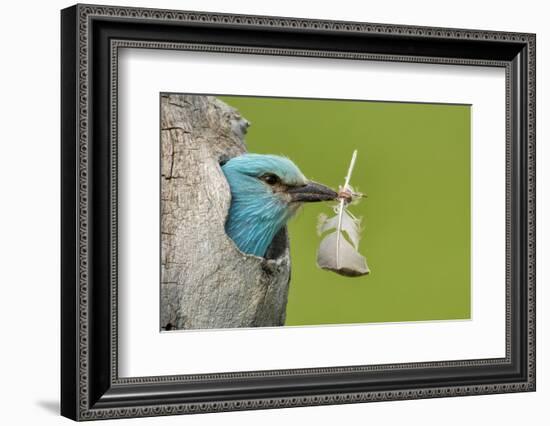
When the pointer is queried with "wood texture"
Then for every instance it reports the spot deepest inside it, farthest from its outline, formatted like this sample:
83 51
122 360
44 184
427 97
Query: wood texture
206 281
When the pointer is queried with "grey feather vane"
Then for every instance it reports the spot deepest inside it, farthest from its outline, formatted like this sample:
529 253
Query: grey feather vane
339 249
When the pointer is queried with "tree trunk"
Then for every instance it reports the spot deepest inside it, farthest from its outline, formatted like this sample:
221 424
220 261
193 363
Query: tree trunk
206 281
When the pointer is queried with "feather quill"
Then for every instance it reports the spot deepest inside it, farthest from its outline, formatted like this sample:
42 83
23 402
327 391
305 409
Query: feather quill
335 252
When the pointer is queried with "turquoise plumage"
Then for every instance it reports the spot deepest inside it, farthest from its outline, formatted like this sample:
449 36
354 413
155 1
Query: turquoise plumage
266 191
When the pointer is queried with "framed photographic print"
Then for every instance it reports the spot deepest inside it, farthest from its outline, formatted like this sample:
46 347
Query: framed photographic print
263 212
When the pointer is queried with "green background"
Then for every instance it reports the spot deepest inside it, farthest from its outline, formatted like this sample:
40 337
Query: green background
414 166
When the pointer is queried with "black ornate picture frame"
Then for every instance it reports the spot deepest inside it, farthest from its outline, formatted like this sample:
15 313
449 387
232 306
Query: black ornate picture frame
90 38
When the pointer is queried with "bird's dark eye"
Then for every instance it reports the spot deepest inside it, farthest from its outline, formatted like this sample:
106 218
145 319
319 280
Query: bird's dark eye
270 178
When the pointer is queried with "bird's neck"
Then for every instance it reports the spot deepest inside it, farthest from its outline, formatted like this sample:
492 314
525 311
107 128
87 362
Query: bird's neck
254 221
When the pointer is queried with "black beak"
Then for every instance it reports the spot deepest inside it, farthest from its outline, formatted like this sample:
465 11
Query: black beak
311 192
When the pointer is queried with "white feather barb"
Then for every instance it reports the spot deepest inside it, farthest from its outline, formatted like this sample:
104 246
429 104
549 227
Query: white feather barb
335 252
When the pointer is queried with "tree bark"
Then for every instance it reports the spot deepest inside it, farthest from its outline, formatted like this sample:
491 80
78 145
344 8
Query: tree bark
206 281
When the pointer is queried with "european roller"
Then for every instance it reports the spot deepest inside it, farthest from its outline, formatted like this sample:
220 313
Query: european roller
266 191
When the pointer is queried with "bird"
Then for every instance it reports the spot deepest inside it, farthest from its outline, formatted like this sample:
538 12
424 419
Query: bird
266 191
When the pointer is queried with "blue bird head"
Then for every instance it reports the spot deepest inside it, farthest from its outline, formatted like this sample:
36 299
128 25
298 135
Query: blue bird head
266 191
